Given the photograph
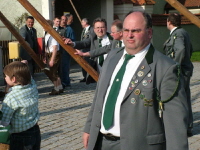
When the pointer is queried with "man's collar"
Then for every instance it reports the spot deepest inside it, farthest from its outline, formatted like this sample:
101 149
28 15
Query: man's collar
173 30
149 55
87 28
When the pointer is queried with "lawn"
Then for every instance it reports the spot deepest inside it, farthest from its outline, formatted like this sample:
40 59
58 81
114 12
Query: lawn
195 56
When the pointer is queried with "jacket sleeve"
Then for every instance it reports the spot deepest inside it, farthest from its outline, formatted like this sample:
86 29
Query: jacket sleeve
179 47
89 118
83 44
100 51
69 33
175 113
23 32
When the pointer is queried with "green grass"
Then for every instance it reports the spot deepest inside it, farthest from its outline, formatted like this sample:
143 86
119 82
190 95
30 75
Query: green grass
195 56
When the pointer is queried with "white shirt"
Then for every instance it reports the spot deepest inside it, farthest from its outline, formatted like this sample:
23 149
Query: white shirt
105 41
86 29
173 30
131 68
56 28
51 42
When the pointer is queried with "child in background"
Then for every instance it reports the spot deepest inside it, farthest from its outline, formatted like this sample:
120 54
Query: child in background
20 108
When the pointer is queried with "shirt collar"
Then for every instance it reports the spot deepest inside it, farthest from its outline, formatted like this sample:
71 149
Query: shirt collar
142 52
122 43
86 29
104 37
173 30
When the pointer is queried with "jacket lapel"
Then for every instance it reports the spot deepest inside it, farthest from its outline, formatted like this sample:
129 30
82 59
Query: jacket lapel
141 72
107 72
96 43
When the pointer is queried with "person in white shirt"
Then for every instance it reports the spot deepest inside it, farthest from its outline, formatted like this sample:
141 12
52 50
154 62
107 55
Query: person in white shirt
116 33
85 35
52 59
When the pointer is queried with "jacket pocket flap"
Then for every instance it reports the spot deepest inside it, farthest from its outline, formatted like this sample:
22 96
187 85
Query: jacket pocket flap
155 139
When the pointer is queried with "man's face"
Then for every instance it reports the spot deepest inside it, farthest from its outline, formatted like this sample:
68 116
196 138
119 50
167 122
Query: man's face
63 21
136 35
117 35
100 29
168 24
70 20
56 22
30 23
83 24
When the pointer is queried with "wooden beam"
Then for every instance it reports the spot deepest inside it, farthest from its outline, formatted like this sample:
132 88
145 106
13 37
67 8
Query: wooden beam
178 6
75 10
58 38
25 45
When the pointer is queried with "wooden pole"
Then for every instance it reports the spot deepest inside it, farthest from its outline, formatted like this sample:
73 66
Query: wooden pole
4 146
24 44
75 10
58 38
178 6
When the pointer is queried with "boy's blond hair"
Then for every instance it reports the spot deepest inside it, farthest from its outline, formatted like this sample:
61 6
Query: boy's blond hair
18 70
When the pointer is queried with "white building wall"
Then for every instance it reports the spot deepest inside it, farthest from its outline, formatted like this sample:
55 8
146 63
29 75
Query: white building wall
107 12
13 9
48 9
122 10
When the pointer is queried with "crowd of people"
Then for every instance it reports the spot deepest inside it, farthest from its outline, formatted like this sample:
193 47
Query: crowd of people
142 100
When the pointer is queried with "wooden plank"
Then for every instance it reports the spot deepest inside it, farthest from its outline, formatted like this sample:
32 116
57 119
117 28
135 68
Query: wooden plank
25 45
58 38
178 6
4 146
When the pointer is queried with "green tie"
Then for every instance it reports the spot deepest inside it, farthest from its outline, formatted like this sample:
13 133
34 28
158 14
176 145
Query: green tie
82 35
120 43
101 58
113 94
31 31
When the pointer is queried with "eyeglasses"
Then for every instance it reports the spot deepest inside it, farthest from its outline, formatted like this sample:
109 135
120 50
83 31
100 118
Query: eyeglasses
100 28
126 31
114 32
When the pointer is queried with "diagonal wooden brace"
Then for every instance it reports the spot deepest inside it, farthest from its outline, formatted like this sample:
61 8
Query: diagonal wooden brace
178 6
58 38
25 45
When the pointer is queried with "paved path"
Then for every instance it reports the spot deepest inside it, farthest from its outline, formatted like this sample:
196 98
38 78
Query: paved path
63 116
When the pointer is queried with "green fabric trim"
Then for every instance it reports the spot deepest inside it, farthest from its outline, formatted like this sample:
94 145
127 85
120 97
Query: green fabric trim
120 49
161 102
149 55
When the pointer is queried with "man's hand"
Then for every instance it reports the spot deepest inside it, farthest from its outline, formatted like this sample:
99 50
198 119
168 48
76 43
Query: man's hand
80 53
51 62
44 60
68 42
85 139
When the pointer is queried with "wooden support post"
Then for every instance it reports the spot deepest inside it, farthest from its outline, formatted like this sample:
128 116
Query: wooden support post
24 44
178 6
4 146
75 10
58 38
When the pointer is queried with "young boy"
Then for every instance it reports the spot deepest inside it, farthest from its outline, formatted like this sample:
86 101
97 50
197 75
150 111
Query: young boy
20 108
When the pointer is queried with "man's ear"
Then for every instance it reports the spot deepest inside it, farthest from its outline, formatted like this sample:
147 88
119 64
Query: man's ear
169 22
13 79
